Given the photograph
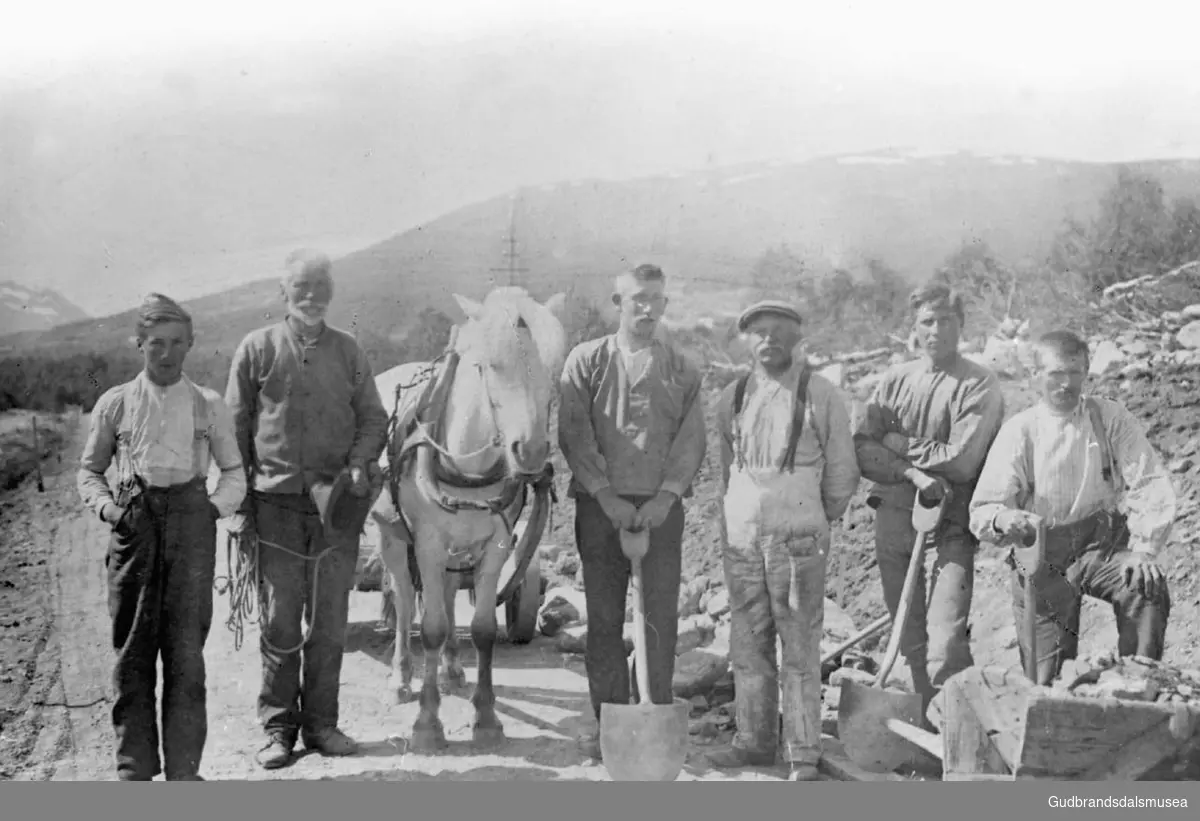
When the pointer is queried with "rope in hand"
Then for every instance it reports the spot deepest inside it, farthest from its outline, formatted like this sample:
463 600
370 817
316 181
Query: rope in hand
245 580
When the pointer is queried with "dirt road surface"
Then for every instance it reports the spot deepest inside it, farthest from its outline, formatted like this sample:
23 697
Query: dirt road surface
55 663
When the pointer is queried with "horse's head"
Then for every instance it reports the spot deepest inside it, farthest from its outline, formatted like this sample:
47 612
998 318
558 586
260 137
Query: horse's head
519 345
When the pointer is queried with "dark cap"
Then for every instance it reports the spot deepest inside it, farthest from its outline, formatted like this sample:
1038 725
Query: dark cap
768 306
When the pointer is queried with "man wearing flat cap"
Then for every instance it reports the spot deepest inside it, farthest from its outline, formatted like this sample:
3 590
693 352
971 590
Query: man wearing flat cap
163 430
308 419
788 470
927 429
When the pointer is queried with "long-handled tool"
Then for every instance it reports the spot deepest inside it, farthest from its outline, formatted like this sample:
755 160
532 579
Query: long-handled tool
644 741
863 710
862 635
1028 556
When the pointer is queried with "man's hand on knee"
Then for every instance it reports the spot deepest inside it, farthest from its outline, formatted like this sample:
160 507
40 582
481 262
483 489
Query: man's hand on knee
1141 572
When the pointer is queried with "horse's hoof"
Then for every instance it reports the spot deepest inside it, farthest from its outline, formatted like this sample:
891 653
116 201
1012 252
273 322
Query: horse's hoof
404 694
428 739
488 737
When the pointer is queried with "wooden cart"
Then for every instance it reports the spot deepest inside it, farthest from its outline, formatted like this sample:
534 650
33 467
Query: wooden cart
520 608
997 726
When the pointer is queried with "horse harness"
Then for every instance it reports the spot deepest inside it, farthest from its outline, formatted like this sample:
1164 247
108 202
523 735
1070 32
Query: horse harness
424 432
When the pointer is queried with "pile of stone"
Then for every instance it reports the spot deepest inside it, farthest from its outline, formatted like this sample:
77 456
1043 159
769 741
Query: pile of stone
703 674
1169 342
1134 678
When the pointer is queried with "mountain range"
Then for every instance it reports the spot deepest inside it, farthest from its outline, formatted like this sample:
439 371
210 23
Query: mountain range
706 227
34 309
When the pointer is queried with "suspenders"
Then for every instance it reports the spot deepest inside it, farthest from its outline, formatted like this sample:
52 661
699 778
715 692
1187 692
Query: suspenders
202 431
788 460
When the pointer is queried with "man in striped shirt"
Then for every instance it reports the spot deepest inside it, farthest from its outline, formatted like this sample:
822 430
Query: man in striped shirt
1049 461
928 428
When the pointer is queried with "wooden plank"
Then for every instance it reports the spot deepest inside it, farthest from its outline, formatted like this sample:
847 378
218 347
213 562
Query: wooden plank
1161 742
1066 736
998 697
836 764
967 747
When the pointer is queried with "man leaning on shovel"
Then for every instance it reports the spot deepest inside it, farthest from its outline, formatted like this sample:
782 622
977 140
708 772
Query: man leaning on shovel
310 425
788 469
631 427
163 430
927 429
1049 462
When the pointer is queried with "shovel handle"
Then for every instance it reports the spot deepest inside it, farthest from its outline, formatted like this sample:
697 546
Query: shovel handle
1031 658
868 631
915 565
639 633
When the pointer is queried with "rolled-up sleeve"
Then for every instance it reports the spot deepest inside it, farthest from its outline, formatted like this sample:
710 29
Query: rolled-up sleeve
842 475
689 446
98 452
230 491
576 435
971 434
1150 495
1003 482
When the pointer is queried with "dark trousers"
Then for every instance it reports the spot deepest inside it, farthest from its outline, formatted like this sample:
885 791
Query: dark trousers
288 704
936 639
1070 575
161 560
606 575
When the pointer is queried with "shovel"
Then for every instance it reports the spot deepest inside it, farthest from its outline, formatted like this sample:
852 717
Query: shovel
645 741
864 710
1028 556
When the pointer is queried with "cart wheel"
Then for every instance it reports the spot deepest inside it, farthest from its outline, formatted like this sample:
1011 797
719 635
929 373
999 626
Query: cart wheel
520 613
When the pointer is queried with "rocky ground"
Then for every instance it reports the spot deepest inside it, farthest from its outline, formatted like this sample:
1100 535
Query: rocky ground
1153 366
53 624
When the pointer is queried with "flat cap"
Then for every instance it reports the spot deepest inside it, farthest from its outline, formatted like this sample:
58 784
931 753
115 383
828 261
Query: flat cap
768 306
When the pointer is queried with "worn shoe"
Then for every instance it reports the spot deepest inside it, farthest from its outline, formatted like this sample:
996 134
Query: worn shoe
735 757
277 753
804 772
331 741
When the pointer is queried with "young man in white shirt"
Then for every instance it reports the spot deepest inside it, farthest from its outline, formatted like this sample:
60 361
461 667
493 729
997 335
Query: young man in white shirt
1049 460
163 430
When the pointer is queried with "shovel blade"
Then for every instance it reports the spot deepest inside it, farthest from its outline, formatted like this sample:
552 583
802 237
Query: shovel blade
863 713
644 742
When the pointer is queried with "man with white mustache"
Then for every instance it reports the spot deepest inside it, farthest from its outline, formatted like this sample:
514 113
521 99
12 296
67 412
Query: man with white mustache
1049 461
789 470
307 410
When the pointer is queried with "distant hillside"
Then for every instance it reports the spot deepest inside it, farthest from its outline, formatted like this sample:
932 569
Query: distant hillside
707 228
30 309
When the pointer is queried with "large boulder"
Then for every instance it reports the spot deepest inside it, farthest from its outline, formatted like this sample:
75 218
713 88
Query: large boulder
694 631
1189 335
698 671
563 606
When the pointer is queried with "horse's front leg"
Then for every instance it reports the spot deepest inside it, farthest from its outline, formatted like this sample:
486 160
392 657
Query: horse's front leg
428 732
456 677
488 731
403 597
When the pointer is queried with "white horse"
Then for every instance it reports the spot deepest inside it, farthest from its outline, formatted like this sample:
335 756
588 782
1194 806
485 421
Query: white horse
460 474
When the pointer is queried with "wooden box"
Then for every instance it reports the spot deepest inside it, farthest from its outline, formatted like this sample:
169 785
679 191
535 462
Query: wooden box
998 726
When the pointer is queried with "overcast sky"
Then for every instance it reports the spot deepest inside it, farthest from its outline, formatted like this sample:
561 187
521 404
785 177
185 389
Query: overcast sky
142 148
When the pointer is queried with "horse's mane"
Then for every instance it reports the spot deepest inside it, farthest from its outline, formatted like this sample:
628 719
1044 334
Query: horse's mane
494 334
